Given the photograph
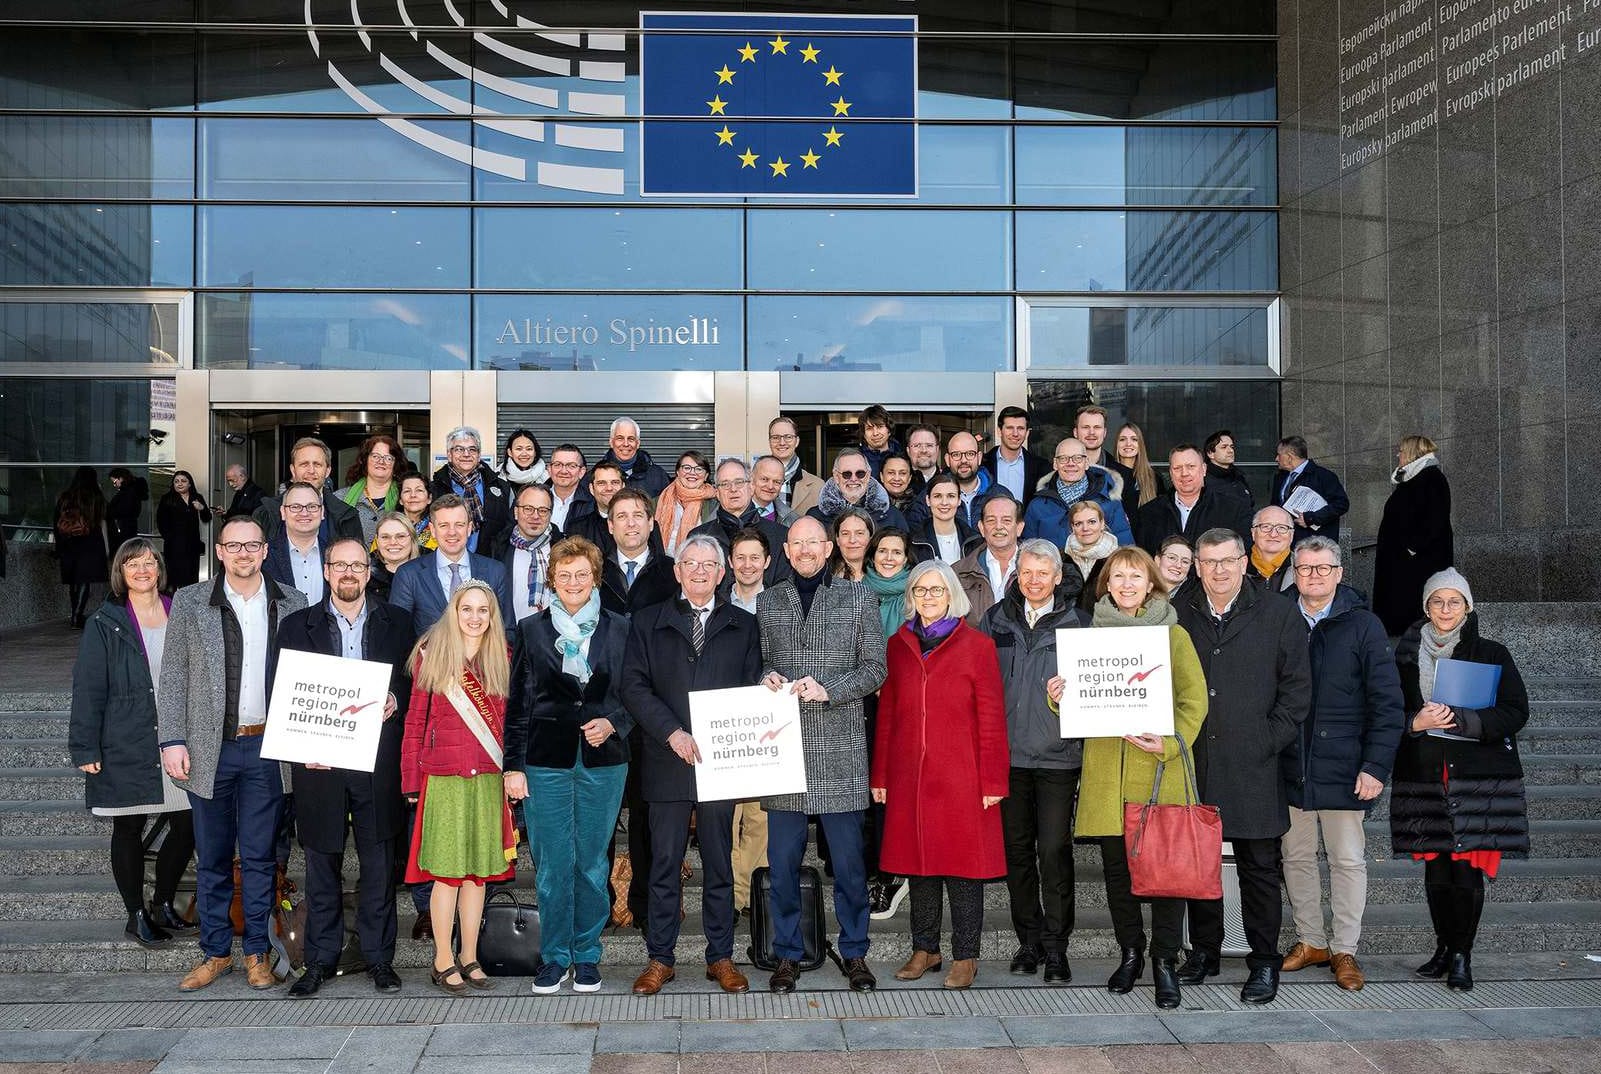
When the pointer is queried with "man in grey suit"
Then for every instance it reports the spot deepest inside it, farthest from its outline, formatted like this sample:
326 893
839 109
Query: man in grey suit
823 641
422 588
216 676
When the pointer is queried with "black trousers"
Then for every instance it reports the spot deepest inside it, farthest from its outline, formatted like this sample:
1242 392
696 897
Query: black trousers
1037 824
1455 892
669 837
128 856
967 913
1167 915
639 852
375 888
1261 871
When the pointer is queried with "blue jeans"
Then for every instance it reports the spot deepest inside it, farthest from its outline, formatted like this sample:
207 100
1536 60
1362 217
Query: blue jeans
571 814
786 847
245 804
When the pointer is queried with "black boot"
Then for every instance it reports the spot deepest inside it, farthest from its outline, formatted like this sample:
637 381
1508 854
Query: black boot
1442 916
1128 971
167 916
145 932
1166 975
1459 975
1199 966
1435 967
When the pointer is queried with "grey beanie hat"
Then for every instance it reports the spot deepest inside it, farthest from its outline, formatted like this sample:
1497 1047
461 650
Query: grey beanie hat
1450 578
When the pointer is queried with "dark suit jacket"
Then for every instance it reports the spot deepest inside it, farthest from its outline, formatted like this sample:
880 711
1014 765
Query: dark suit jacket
320 806
246 500
417 591
548 706
661 667
653 584
1218 507
495 500
1321 480
1034 470
339 519
279 567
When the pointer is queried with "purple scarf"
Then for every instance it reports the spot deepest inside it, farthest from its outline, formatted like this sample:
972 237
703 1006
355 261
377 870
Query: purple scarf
929 637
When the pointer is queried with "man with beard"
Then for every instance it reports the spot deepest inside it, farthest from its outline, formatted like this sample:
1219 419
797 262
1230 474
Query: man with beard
852 485
962 459
922 447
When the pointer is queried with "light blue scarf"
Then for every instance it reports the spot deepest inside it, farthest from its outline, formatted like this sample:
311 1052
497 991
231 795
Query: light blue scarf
572 631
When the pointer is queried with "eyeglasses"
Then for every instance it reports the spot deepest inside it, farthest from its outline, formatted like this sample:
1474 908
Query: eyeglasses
1070 458
375 457
782 438
733 483
698 566
1322 570
233 548
464 449
348 568
302 508
806 545
1218 564
566 466
574 577
922 591
962 454
1277 529
691 469
852 475
1173 557
1455 604
528 509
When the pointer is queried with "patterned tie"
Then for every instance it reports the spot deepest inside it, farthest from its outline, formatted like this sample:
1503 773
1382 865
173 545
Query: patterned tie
455 578
631 567
697 628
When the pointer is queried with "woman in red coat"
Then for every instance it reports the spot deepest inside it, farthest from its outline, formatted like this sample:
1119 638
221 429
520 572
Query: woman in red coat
451 760
940 766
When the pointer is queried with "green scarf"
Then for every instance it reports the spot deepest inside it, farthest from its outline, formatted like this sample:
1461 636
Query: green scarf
1157 612
356 495
891 598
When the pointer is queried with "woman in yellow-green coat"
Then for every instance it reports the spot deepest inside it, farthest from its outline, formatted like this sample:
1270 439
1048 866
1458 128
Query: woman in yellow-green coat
1117 770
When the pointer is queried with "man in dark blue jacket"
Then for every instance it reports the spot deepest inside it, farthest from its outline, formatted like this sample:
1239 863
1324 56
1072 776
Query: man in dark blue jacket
1340 763
1297 472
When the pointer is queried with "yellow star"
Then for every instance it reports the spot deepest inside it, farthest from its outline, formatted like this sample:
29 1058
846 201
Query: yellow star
717 104
725 75
724 136
809 54
832 136
748 159
780 167
748 53
831 76
842 107
779 45
810 159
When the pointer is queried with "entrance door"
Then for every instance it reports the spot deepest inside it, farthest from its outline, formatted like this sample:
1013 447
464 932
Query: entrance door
260 440
823 435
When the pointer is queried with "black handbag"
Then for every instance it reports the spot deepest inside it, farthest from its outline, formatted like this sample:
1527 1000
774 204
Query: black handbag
508 941
813 923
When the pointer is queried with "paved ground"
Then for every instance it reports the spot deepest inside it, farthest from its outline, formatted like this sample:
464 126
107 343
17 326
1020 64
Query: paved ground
1529 1014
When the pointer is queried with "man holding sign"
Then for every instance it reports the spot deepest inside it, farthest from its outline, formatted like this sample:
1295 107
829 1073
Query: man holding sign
691 642
346 623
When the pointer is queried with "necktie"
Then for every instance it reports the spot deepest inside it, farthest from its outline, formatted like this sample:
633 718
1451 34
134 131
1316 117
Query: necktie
697 628
455 578
630 567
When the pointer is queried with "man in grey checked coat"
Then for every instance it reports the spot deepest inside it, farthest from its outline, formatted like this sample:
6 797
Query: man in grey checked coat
822 640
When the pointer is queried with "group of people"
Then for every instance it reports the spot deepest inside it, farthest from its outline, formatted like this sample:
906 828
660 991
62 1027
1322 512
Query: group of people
547 619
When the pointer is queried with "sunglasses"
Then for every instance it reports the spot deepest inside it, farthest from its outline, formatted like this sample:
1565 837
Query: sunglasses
853 475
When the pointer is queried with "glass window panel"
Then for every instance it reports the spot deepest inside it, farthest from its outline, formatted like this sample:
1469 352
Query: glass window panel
264 72
1177 336
861 333
1147 166
62 420
57 156
333 246
610 249
969 165
517 167
329 160
962 79
1147 251
121 10
96 69
879 250
141 333
340 331
28 495
112 245
609 332
1133 79
1180 17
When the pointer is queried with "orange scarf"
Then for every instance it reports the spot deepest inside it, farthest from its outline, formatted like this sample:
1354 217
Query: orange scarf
1265 565
691 499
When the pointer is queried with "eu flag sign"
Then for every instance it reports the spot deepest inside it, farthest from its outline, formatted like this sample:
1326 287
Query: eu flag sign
778 105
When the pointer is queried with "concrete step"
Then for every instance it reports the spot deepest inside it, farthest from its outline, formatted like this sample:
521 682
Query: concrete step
37 701
50 817
48 725
1540 740
1543 688
58 784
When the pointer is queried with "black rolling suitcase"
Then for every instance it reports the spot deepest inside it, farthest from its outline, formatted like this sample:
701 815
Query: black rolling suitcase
813 937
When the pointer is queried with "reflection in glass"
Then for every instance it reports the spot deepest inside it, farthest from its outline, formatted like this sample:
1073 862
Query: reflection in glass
872 334
338 331
610 249
1194 81
878 250
1147 251
58 420
111 245
56 156
964 165
962 79
339 246
609 332
1178 17
96 69
1063 336
327 159
264 72
101 333
1146 166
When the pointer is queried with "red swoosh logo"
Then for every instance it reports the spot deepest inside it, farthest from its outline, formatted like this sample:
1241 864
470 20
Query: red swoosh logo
769 736
351 710
1141 676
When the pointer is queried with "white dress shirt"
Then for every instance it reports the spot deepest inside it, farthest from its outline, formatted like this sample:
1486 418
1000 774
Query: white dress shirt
442 569
307 567
252 615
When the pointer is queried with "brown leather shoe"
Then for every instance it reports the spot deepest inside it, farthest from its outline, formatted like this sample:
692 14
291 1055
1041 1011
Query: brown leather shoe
1303 955
1347 973
650 982
963 970
205 973
423 927
920 963
727 977
258 973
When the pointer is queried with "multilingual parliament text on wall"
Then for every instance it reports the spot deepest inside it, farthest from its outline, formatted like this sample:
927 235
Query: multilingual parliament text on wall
1419 63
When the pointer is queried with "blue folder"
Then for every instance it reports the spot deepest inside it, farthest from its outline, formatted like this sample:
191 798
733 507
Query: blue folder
1464 684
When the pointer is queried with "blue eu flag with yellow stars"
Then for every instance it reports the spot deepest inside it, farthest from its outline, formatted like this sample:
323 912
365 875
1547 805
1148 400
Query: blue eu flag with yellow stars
779 105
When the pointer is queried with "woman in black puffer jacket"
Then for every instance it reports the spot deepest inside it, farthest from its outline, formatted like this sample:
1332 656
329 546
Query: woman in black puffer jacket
1457 803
